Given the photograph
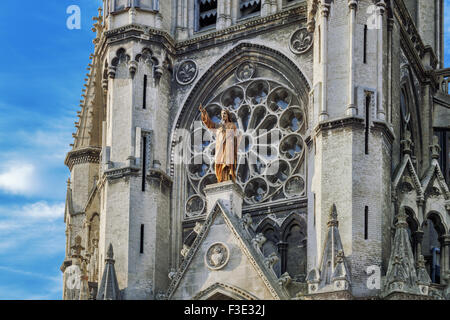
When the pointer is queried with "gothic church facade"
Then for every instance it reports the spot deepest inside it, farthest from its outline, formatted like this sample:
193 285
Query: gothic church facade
342 179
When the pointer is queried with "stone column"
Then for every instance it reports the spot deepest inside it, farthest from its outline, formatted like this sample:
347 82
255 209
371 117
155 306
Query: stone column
325 10
351 108
266 8
282 250
381 7
418 237
445 252
228 192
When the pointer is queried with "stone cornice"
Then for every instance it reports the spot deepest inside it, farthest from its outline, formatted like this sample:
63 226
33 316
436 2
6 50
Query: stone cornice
142 32
82 155
119 173
263 24
387 131
344 122
355 122
160 176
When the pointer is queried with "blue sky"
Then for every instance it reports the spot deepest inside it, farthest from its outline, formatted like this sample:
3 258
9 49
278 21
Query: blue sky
41 77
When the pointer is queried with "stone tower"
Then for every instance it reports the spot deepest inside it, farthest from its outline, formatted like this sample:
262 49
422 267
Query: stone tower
356 93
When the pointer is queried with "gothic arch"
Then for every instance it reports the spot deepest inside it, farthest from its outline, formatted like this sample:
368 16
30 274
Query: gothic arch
438 222
266 224
408 88
224 68
294 248
289 222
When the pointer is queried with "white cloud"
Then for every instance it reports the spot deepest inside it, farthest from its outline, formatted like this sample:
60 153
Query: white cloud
42 209
33 228
18 178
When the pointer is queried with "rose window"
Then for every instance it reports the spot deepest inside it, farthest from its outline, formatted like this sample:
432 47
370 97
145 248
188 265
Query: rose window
271 126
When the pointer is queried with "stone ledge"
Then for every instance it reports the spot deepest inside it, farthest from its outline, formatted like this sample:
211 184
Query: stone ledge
161 176
334 295
118 173
406 296
82 155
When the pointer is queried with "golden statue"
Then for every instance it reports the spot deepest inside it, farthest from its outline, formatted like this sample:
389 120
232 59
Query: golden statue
227 141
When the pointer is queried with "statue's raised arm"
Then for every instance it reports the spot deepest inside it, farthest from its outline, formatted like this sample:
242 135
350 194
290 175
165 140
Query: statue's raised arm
206 119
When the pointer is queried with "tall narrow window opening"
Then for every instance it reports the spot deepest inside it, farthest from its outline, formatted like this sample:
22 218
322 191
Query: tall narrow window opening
365 45
144 98
366 223
366 147
144 160
142 239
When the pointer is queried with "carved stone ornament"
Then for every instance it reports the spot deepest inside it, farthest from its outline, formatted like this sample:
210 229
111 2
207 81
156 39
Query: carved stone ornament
217 256
301 41
187 72
245 71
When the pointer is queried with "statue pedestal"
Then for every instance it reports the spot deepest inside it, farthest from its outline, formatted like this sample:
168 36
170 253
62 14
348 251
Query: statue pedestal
230 194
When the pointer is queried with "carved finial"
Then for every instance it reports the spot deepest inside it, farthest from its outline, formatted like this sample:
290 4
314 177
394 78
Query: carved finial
421 262
185 250
198 227
401 218
435 148
407 143
132 67
110 252
333 222
172 273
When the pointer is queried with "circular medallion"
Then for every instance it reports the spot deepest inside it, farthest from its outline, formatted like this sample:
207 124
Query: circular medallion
301 41
245 71
186 72
217 256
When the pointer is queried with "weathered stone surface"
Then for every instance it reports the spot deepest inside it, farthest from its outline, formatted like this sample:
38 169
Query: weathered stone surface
357 110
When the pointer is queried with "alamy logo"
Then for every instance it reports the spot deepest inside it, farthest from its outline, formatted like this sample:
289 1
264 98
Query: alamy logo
374 279
374 21
73 280
74 20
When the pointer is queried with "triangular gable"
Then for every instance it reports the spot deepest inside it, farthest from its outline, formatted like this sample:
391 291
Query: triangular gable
434 172
193 259
230 291
405 167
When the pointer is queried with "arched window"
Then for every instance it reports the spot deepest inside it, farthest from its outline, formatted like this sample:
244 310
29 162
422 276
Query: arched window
206 14
296 251
271 152
433 230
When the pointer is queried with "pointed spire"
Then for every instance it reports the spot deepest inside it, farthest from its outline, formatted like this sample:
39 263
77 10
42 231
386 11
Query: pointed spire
109 287
333 221
401 275
407 143
333 274
422 275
